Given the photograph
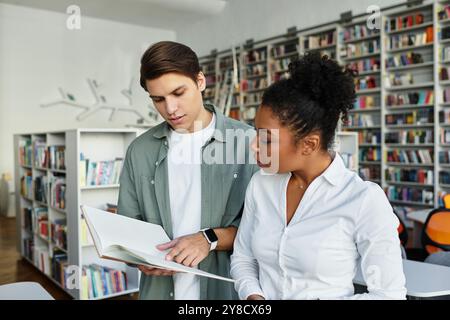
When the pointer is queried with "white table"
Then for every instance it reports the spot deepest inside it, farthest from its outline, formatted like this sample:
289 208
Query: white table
423 280
24 291
418 218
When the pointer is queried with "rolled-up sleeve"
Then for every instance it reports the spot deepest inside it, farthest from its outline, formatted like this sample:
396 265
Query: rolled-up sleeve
244 267
378 244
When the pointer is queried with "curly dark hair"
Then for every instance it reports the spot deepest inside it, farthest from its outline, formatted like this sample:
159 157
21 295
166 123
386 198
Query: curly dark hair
317 93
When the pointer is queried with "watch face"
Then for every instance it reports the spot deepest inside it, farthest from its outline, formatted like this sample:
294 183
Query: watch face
211 235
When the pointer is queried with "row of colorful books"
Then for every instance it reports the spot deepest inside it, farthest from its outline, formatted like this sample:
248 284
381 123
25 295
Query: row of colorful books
321 40
410 194
416 156
363 120
409 175
410 98
358 31
52 157
401 41
95 173
411 117
369 154
99 281
404 22
368 173
404 59
369 136
410 136
354 50
365 102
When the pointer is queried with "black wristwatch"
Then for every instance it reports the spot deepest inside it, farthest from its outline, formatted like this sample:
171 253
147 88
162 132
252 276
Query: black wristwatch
211 237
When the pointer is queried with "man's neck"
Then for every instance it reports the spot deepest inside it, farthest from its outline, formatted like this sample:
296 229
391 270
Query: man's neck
203 120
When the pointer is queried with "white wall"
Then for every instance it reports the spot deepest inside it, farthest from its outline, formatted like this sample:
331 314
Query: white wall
38 54
260 19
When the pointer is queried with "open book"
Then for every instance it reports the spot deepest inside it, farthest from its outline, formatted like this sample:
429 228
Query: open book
132 241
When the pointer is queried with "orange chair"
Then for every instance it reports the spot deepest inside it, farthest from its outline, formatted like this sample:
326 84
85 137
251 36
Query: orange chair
402 231
436 231
446 199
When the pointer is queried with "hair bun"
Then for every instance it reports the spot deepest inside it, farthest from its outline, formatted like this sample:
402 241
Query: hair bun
323 81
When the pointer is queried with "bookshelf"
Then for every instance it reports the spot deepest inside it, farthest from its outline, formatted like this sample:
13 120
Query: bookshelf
360 50
49 192
228 98
209 68
402 112
442 55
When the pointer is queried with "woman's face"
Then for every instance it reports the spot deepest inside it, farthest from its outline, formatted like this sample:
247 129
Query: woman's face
275 148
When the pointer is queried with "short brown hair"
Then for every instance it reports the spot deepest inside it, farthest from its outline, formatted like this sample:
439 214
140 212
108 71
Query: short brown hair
167 56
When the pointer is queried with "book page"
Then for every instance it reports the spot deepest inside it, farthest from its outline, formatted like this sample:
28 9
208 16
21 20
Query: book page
134 241
117 230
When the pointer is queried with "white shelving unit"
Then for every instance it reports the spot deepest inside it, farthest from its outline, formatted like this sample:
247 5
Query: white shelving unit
96 145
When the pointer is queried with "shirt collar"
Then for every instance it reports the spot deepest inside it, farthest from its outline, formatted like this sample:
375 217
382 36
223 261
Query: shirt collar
163 131
335 170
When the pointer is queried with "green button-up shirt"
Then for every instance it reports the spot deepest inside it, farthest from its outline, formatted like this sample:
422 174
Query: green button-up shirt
225 173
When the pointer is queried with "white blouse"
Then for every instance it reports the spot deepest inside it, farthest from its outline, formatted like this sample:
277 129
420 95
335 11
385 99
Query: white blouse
341 221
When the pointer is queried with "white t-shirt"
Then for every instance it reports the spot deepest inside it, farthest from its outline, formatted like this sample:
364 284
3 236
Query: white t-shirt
184 160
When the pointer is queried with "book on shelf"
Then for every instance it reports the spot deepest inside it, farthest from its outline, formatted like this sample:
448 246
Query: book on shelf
421 156
369 154
41 189
58 228
404 22
97 173
410 98
370 173
42 259
444 116
444 12
365 83
99 281
444 177
364 102
369 137
133 241
26 185
59 266
409 175
361 49
444 157
423 116
27 219
444 135
401 41
40 154
358 31
25 153
410 194
399 80
40 222
57 187
404 59
364 65
57 157
410 136
363 120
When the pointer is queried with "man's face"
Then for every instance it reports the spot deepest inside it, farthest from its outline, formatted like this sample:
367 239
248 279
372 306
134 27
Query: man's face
178 99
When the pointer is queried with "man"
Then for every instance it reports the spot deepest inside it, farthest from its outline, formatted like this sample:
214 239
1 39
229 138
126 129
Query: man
166 179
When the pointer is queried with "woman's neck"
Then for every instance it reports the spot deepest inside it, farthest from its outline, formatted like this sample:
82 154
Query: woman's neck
314 167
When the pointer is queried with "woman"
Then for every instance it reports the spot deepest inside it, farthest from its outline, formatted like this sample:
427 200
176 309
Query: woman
310 222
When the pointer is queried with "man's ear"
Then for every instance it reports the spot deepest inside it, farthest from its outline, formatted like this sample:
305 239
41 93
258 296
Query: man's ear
201 81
